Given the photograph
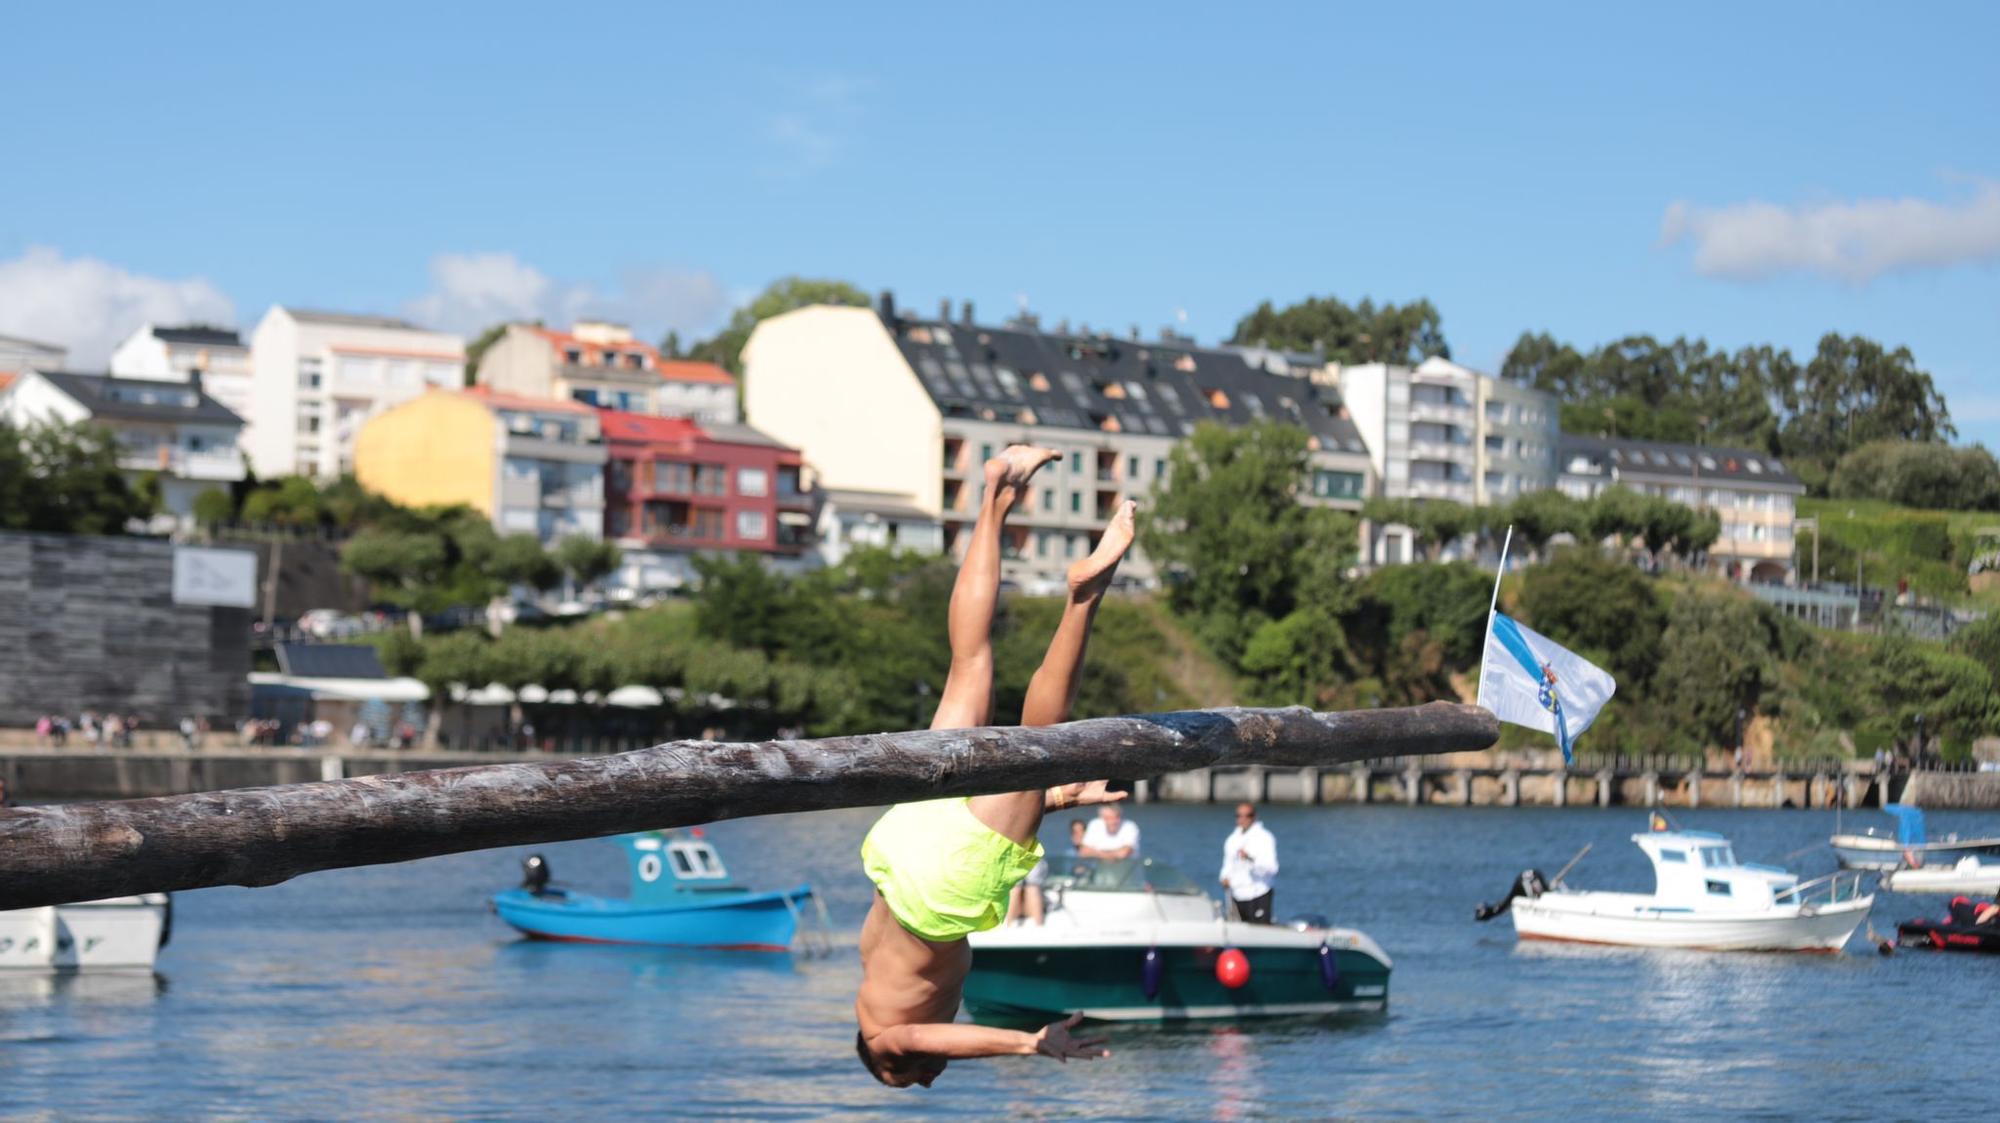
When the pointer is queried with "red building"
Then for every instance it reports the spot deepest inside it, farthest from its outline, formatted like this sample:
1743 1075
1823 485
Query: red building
674 488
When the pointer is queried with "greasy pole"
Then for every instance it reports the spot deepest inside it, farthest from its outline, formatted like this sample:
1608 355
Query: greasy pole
261 836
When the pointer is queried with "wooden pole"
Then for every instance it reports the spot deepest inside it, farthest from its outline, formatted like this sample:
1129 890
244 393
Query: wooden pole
262 836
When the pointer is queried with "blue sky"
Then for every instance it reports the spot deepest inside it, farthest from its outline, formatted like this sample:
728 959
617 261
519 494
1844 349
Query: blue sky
1746 173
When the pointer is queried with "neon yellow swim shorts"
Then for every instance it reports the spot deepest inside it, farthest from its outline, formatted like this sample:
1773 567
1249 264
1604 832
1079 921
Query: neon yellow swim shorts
942 872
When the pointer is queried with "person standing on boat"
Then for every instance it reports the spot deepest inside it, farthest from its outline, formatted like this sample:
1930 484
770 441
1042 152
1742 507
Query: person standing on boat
1111 835
1249 865
943 868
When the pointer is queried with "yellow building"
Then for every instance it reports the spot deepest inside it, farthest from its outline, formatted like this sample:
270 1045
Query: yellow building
531 465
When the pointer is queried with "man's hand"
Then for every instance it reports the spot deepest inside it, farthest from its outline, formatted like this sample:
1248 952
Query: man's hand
1082 795
1055 1041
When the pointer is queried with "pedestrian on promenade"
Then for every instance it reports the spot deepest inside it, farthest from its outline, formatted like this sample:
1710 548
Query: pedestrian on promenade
188 731
131 728
87 722
45 731
358 736
1249 865
114 731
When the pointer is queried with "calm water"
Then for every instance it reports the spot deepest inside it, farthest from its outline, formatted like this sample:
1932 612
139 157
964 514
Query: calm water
391 993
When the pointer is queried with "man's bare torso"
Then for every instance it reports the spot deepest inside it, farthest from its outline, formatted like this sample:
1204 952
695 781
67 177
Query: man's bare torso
906 980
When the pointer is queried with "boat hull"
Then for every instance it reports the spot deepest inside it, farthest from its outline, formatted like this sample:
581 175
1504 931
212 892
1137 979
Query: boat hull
738 921
1019 979
1980 880
1949 937
1880 852
1626 920
118 934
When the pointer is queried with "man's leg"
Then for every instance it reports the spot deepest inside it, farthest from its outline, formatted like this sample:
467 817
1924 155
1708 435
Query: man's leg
1051 693
967 700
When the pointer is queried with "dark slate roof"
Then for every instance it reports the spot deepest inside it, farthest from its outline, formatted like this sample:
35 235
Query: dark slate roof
140 399
731 433
1666 460
329 660
987 373
199 335
892 504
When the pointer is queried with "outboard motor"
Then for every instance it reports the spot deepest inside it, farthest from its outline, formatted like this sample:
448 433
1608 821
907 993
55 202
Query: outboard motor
1530 884
534 874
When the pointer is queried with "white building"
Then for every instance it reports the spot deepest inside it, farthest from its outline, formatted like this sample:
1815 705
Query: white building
168 429
853 520
1752 494
318 376
601 364
911 408
174 354
1444 431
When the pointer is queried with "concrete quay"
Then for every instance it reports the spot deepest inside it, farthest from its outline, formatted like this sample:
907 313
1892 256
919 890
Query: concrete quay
1480 780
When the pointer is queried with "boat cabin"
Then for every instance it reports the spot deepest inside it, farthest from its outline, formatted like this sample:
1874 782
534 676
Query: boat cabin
1106 891
1698 869
675 862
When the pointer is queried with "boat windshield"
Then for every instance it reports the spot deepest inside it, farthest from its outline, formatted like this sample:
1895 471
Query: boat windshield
1717 857
1129 875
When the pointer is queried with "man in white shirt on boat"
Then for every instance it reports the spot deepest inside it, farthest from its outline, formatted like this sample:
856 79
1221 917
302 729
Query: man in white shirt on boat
1111 836
1249 865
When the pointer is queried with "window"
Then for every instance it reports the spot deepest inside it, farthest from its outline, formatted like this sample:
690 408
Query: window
985 453
1719 888
1132 467
636 361
710 479
1160 468
1076 501
1041 543
573 356
586 396
1498 445
707 523
1673 855
1076 462
1048 499
309 374
675 479
1069 545
1327 484
753 482
751 525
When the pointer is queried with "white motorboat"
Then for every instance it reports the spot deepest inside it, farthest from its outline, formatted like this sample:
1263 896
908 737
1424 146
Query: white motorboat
1909 846
1136 940
115 934
1970 876
1703 898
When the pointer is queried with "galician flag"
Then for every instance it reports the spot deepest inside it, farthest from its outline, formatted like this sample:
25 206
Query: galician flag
1529 680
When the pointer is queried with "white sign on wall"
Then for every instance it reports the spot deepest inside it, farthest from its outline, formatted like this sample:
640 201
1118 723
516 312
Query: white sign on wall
222 578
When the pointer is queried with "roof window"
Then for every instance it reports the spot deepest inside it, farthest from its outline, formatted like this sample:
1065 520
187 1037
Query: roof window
1756 466
1708 462
1038 381
1135 391
1111 390
1218 399
1184 363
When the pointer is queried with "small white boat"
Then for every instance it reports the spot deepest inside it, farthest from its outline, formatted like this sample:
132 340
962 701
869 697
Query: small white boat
1908 847
115 934
1703 899
1970 876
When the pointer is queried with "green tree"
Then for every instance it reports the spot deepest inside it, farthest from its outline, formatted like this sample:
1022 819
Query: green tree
289 501
1227 529
1717 656
1616 512
1539 516
1919 474
65 479
1602 609
1441 522
213 508
1405 333
1853 391
586 560
781 296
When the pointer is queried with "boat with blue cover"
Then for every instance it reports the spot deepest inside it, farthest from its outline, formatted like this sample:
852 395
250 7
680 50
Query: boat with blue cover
1909 847
681 896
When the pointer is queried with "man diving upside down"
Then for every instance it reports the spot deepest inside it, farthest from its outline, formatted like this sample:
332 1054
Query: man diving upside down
942 869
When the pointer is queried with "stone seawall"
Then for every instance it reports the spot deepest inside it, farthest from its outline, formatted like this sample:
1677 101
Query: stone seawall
1961 791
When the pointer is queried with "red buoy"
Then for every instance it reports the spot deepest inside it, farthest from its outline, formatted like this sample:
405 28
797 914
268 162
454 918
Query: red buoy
1232 968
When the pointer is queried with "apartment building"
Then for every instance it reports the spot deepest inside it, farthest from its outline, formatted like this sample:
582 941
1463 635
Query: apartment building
1753 495
675 489
601 364
172 432
532 465
907 410
177 354
317 377
1440 430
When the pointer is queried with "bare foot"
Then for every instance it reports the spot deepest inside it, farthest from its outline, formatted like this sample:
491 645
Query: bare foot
1012 469
1091 576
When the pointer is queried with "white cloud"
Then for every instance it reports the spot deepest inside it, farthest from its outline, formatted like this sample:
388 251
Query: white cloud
471 292
89 306
1853 241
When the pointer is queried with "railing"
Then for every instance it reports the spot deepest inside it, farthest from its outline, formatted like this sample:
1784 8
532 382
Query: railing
1825 890
184 464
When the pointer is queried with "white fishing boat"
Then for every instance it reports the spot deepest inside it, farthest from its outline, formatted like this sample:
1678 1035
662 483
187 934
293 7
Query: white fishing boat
116 934
1908 846
1703 898
1970 876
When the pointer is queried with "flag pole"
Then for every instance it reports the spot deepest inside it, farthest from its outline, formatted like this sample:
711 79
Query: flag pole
1493 606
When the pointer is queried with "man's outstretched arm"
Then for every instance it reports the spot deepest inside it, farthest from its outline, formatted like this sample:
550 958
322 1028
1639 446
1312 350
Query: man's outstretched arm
954 1041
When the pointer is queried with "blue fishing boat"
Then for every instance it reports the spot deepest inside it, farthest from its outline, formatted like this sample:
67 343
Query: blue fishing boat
681 897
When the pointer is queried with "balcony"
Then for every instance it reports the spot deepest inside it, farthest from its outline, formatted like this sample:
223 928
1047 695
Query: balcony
1440 412
1446 452
220 465
1457 490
